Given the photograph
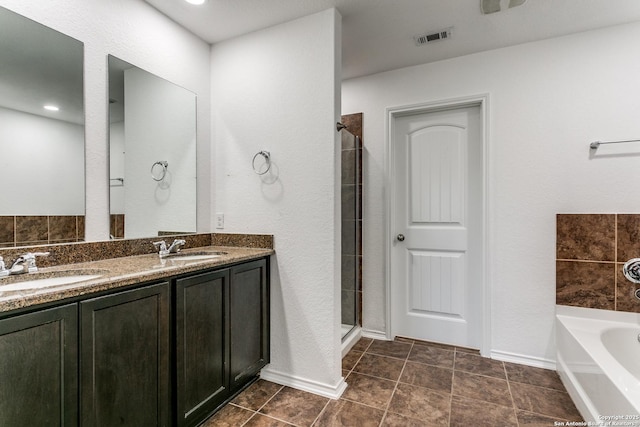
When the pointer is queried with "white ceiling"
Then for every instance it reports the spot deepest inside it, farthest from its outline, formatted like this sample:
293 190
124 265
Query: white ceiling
378 34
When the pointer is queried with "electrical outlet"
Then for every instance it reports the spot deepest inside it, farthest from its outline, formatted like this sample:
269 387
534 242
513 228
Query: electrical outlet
219 220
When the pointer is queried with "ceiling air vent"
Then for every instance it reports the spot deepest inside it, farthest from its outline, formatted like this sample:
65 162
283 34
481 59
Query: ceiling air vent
431 37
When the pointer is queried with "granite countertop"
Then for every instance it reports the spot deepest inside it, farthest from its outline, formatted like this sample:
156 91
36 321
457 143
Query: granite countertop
118 272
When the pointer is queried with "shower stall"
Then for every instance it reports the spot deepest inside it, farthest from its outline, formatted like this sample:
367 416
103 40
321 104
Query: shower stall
351 195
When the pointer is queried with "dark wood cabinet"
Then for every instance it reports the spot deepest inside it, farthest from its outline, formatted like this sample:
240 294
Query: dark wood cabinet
159 354
222 336
124 359
38 368
249 322
202 356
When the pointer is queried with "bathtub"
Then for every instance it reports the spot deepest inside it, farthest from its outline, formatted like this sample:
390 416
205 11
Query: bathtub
598 359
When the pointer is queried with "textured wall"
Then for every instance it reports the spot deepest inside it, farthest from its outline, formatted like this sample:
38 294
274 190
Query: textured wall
548 101
275 90
135 32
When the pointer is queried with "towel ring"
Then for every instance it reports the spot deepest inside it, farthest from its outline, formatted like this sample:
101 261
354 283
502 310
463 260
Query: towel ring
163 172
267 161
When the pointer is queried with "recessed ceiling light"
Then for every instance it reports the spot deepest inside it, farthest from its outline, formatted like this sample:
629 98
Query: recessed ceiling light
51 108
196 2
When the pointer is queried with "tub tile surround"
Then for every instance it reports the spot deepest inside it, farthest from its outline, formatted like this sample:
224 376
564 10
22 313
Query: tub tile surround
411 383
590 252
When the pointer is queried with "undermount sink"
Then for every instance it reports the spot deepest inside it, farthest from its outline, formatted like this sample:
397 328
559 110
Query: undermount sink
39 280
194 256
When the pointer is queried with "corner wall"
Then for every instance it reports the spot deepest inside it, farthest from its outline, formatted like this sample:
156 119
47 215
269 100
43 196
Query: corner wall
278 90
548 101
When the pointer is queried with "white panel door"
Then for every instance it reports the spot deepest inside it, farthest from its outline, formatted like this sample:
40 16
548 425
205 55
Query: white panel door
436 253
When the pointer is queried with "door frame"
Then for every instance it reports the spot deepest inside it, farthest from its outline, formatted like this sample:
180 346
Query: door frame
392 113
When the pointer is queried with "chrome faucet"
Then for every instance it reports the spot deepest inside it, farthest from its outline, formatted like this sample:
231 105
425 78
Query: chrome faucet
26 263
3 268
174 248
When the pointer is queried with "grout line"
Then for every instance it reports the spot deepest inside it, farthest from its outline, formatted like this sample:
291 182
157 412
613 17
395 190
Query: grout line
615 270
324 408
453 378
586 261
395 388
513 403
257 411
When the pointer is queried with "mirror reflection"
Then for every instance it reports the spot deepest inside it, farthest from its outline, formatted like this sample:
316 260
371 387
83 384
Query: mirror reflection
41 134
152 154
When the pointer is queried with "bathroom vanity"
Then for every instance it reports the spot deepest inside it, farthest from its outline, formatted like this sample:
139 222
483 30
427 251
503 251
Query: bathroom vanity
149 343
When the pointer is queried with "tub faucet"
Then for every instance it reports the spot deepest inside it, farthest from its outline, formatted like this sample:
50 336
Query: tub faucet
174 248
26 263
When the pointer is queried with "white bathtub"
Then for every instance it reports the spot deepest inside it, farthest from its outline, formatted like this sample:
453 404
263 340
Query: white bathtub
598 359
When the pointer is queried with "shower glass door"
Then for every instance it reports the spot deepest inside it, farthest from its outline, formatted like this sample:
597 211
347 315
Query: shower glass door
351 230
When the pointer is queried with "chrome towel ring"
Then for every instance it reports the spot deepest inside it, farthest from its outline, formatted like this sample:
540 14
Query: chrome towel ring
158 174
267 161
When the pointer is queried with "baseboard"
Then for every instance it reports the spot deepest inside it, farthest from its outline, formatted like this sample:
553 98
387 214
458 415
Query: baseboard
521 359
376 335
332 392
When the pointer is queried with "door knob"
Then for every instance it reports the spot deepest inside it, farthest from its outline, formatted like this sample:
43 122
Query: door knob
400 237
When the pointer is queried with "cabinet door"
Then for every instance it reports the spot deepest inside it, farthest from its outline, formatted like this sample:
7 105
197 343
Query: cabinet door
124 364
249 319
201 351
38 368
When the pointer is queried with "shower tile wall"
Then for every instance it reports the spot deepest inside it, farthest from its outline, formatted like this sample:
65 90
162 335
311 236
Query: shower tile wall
590 252
36 230
351 220
116 228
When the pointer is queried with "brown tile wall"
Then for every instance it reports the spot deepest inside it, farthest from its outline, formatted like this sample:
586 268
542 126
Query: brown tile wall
590 252
40 230
352 220
116 226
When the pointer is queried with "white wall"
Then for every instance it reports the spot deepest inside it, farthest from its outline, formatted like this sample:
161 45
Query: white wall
45 160
159 126
134 32
116 167
278 90
548 101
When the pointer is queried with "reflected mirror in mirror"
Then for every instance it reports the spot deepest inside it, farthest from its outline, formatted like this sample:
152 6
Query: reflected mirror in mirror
152 154
41 134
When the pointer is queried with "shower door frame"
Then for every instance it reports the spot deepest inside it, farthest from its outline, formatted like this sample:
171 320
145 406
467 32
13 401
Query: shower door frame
353 125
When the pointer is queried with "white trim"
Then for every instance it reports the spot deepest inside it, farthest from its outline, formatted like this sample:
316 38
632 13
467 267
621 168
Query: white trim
521 359
481 100
332 392
376 335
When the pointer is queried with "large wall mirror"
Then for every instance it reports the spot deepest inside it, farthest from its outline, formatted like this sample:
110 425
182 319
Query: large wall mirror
152 154
41 134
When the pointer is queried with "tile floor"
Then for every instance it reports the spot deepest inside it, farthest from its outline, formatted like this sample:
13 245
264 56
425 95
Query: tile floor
408 383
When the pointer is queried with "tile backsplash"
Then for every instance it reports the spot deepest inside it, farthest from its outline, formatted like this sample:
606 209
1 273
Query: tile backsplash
590 252
38 230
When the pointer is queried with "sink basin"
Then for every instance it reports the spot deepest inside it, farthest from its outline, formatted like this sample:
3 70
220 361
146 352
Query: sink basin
194 256
48 279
